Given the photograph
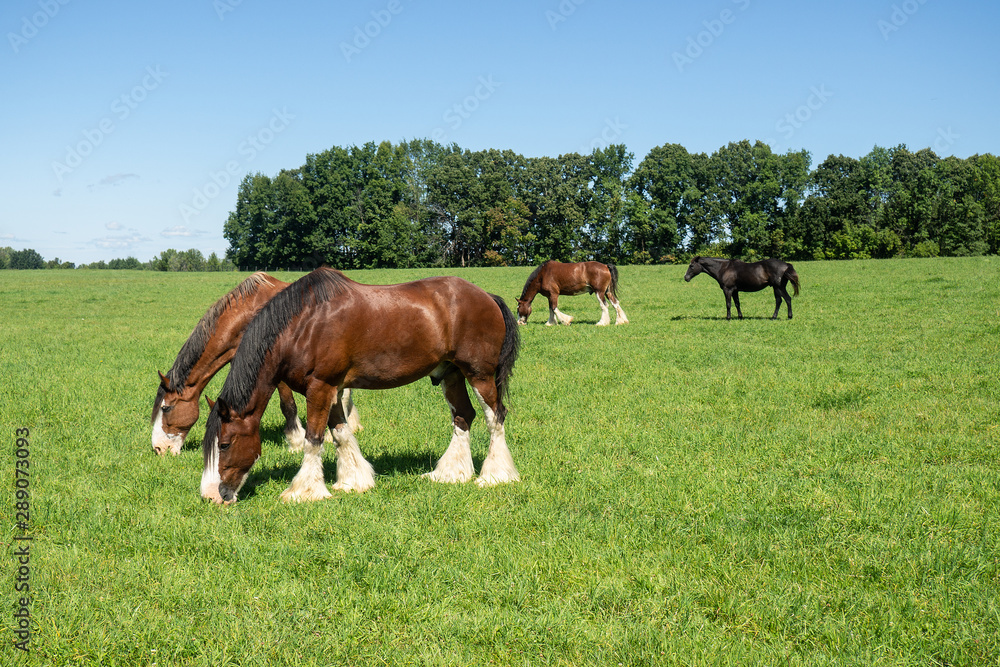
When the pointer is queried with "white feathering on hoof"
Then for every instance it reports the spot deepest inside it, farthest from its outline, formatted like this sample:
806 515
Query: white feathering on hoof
308 484
498 468
295 436
354 473
455 467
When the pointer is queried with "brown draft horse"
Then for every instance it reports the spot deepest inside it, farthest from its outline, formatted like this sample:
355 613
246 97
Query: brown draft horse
326 333
735 276
553 278
210 347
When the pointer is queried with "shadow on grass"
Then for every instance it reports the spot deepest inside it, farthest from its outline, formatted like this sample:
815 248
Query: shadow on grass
719 318
389 464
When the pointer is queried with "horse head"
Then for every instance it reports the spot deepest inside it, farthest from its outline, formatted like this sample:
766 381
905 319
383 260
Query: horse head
231 447
523 310
175 411
694 268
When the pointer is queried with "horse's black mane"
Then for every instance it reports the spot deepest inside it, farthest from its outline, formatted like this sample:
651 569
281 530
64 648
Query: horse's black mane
194 346
534 274
321 285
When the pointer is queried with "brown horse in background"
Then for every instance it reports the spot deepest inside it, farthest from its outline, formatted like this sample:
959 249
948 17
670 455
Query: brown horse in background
210 347
735 276
326 333
553 278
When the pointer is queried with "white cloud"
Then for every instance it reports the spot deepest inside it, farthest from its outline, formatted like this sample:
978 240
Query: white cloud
180 230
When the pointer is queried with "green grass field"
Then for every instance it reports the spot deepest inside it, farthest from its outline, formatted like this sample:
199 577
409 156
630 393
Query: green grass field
820 491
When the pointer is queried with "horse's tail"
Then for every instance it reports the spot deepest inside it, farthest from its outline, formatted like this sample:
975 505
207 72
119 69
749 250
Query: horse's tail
508 355
792 278
613 290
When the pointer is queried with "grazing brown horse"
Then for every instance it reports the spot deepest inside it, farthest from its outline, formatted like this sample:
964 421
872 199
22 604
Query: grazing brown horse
326 333
553 278
210 347
735 276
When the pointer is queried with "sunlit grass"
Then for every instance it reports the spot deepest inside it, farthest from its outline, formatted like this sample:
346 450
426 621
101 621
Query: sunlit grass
695 491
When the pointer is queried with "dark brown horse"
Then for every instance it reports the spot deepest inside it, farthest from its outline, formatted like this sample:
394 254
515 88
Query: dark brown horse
210 347
326 333
735 276
553 278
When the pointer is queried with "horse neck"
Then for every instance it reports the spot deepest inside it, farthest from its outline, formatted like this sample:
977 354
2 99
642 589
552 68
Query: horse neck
713 265
531 289
222 344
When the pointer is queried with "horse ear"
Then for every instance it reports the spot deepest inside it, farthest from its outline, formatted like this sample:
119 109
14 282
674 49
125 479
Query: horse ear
222 408
211 403
164 381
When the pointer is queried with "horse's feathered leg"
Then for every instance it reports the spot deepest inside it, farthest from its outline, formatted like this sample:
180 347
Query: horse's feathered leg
350 410
620 317
556 316
605 316
295 433
455 466
498 468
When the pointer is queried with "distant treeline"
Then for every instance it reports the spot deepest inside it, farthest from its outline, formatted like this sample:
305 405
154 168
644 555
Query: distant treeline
420 203
168 260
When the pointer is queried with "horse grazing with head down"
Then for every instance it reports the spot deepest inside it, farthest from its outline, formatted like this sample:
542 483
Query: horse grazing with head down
553 278
325 334
210 347
735 276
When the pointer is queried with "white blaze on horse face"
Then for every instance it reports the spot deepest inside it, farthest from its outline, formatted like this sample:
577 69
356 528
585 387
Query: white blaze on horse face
164 442
210 479
498 468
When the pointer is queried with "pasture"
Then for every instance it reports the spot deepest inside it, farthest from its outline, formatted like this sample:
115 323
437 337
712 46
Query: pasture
818 491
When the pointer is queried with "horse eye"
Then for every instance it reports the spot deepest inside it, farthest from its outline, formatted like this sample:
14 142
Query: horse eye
223 446
166 408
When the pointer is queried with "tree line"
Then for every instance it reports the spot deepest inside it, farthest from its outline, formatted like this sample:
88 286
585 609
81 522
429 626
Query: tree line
168 260
423 204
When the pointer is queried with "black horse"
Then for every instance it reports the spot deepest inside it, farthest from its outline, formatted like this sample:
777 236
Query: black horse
735 276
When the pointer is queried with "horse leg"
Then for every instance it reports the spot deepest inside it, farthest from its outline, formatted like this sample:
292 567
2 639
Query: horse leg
736 300
498 468
620 317
347 403
455 466
354 472
729 303
777 302
555 315
308 483
605 317
295 433
788 299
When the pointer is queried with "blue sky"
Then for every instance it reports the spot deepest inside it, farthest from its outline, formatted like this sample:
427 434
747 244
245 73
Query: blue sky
127 126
